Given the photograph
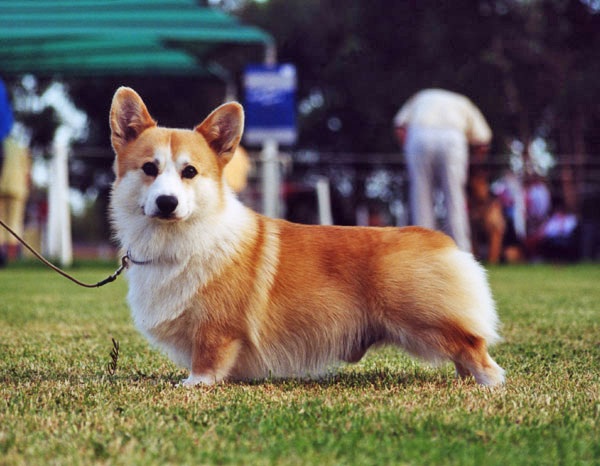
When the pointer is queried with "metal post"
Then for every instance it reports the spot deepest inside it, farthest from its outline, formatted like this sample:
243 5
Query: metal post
271 175
271 178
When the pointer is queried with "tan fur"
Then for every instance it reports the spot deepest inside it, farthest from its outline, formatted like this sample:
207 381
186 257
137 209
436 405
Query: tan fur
236 172
257 297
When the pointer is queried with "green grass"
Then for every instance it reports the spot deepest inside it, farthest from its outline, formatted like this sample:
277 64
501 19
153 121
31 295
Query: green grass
60 404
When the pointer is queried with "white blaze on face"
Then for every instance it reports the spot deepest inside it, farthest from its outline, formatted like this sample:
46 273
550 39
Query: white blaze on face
169 183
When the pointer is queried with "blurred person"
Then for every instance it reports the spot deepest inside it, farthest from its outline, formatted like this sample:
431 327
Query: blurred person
6 123
538 202
6 118
14 191
6 115
436 128
511 194
557 237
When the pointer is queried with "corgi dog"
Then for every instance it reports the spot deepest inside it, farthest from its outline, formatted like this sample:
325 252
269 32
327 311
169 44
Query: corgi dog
233 295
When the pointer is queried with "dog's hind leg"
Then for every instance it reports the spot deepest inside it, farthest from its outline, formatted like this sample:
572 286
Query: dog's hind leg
461 371
473 359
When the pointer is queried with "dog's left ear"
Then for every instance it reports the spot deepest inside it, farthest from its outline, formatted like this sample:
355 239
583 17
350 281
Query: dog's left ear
223 129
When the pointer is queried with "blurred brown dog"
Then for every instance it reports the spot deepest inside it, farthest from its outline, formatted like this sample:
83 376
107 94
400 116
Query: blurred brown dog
487 220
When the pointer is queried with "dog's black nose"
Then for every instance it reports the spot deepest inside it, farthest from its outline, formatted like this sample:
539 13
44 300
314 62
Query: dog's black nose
166 204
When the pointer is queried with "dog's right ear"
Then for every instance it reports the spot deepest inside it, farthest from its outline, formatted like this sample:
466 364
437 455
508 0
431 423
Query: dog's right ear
129 117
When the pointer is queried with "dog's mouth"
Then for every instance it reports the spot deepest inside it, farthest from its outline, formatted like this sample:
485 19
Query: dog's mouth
169 218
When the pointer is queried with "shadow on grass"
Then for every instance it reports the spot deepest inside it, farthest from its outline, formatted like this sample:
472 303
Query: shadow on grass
346 378
378 379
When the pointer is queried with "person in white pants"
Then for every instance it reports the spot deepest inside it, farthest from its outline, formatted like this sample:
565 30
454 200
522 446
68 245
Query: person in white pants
436 128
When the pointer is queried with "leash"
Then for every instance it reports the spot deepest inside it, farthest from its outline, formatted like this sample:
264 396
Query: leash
124 263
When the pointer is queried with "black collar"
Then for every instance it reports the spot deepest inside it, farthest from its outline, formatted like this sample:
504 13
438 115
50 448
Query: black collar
137 262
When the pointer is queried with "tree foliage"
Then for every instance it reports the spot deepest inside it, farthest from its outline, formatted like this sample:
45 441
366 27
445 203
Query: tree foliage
529 65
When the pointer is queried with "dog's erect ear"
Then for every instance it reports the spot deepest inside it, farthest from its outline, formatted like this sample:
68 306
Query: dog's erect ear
128 117
223 129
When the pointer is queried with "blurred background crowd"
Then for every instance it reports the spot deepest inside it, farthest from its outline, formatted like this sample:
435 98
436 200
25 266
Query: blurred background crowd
529 67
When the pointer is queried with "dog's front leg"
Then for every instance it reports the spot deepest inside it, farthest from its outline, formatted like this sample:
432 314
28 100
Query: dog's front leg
213 357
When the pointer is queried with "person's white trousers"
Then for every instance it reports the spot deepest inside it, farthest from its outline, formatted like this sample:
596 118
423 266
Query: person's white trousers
439 155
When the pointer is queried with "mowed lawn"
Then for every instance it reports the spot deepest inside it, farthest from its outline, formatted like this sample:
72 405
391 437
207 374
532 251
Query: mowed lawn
61 403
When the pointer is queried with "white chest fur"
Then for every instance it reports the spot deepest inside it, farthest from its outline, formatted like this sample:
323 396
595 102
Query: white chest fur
183 260
159 293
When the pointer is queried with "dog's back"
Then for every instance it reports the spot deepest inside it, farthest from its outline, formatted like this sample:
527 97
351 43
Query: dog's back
336 291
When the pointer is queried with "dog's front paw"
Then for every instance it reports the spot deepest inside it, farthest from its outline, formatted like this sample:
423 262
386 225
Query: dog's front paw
194 380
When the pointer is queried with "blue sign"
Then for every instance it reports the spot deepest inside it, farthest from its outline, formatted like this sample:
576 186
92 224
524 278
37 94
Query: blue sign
270 104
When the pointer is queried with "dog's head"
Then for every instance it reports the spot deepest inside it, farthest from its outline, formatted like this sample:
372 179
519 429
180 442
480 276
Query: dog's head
170 175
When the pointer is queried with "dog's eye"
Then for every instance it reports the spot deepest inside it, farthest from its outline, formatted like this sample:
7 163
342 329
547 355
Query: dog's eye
150 169
189 172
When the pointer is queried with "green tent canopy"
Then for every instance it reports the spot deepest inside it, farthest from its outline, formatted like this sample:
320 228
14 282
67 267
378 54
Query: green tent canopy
50 37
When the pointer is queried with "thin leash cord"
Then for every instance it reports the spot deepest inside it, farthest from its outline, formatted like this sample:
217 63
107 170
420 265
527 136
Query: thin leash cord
109 279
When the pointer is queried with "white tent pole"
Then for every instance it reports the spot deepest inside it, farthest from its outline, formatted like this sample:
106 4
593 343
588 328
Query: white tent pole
73 126
59 218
